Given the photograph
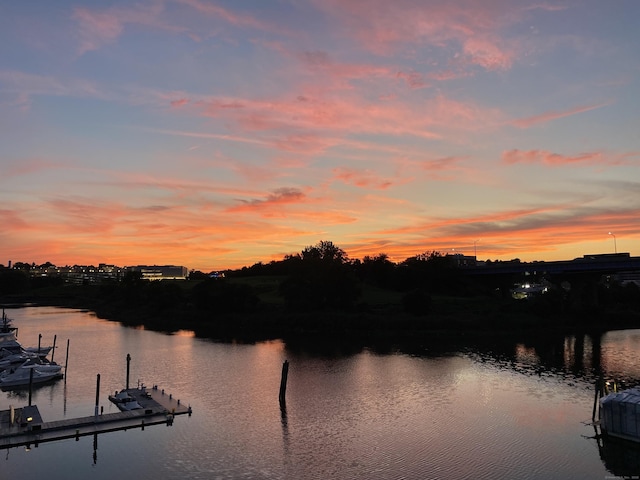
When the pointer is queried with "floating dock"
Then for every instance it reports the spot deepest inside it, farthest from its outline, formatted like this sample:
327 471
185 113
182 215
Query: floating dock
24 426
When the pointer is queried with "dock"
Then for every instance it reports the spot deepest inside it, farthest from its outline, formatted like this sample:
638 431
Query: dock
24 426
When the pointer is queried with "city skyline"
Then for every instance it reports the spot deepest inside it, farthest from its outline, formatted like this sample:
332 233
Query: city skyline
219 134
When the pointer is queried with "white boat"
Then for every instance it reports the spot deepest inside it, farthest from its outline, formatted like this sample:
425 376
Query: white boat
124 401
8 359
620 414
21 376
40 351
9 344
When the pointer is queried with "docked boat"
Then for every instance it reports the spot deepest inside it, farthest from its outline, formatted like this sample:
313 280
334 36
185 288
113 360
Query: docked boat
8 359
124 401
620 414
9 344
25 374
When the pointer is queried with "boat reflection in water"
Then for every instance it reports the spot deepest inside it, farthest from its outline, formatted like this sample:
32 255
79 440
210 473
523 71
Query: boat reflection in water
620 457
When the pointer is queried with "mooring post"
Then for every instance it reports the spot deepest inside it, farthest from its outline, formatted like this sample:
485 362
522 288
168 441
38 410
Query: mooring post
97 394
39 338
30 383
595 400
53 350
283 385
128 363
66 363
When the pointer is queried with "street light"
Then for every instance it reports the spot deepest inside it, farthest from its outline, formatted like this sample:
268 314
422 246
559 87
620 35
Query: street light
615 246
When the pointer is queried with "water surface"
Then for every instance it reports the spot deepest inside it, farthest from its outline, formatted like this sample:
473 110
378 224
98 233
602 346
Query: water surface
513 411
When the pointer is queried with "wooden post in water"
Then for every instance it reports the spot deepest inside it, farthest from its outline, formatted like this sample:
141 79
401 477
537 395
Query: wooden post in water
30 383
128 363
53 349
66 363
39 338
283 385
97 394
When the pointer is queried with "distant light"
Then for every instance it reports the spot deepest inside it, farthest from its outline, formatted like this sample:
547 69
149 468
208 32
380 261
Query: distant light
29 419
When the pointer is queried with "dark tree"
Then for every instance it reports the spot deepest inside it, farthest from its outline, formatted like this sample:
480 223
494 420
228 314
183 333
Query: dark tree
320 278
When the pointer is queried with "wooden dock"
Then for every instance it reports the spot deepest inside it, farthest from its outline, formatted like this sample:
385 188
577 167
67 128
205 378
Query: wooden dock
28 428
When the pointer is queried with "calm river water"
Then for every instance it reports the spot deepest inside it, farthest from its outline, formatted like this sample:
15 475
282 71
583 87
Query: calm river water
511 411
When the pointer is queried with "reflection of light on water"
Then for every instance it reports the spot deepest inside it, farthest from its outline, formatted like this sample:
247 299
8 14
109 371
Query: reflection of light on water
621 355
526 354
184 333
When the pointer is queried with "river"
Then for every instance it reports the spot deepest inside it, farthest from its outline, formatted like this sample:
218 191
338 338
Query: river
511 410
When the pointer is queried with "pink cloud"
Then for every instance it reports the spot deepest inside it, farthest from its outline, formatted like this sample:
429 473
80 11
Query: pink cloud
553 159
99 28
487 54
179 103
468 26
232 18
414 79
303 114
96 28
361 178
554 115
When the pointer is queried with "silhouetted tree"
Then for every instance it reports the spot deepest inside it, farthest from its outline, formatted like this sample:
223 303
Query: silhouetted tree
320 278
378 270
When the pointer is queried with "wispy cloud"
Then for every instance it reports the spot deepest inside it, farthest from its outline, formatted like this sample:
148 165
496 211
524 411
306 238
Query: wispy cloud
362 178
554 115
555 159
279 197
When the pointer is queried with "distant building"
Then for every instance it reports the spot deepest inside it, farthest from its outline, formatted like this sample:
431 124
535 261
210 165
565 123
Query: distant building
161 272
459 260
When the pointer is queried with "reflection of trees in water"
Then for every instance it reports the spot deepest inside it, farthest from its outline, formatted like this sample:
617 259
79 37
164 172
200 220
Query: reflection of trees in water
583 357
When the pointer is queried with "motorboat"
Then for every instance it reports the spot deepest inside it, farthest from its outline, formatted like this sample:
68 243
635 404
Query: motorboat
27 373
124 401
8 359
9 344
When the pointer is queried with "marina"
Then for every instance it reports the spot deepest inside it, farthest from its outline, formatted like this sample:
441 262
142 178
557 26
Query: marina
24 426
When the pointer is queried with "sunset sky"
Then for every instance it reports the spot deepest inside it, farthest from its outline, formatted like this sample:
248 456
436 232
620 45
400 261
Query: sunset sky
220 133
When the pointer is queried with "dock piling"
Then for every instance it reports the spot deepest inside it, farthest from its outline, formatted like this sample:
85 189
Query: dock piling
30 384
128 364
66 363
97 394
53 350
283 385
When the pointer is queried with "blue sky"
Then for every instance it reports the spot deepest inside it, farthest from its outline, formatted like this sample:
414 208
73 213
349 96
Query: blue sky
218 134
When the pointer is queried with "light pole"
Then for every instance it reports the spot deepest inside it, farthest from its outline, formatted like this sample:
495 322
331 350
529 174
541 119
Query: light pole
615 245
475 249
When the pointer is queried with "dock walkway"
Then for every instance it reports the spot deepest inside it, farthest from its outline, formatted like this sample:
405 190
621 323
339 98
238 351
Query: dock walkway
28 428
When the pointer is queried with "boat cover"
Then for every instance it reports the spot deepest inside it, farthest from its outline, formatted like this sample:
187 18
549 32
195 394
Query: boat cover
620 413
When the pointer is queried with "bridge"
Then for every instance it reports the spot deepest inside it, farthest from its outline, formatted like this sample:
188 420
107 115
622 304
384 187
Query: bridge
601 264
